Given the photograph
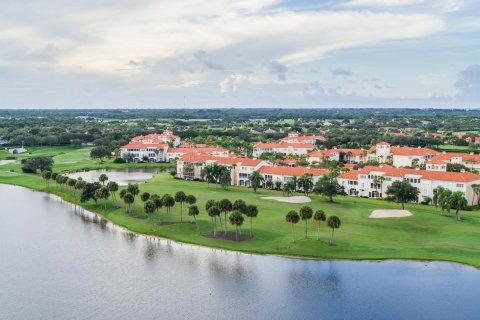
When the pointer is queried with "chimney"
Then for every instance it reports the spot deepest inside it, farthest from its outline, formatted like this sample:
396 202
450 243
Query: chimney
417 169
471 153
462 170
419 147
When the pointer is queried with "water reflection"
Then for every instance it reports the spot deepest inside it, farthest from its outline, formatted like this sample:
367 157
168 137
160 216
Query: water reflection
105 272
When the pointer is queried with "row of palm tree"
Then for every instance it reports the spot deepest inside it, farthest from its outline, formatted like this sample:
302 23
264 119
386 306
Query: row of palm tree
446 199
238 209
306 213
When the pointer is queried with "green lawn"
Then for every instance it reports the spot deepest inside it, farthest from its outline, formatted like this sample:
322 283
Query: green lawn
426 235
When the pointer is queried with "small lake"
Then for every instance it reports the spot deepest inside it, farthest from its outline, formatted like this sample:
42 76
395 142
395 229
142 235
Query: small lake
56 263
121 176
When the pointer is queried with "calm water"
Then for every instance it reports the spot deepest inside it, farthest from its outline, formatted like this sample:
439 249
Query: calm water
121 176
56 264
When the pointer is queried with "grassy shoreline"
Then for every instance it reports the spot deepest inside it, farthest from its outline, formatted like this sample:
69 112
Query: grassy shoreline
425 236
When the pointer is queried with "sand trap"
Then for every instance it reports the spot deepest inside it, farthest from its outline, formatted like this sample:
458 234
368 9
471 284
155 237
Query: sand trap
295 199
390 214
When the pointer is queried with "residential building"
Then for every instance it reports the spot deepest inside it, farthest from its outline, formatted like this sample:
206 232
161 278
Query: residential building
282 148
295 137
383 152
285 174
439 163
373 181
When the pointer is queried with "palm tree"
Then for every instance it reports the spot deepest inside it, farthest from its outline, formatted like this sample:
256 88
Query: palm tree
190 199
168 202
457 200
444 198
133 189
294 182
305 214
158 202
102 178
103 193
180 197
251 211
46 175
319 216
129 199
225 206
80 184
306 183
149 208
236 219
213 212
256 179
239 205
334 223
437 195
193 211
112 186
293 218
476 192
210 203
145 196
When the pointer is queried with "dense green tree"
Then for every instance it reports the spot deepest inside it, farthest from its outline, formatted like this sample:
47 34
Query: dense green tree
100 153
129 200
149 208
32 164
328 187
402 191
145 196
225 206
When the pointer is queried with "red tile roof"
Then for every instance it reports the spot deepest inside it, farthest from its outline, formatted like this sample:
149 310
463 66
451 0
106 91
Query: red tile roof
276 145
447 157
141 145
291 171
424 174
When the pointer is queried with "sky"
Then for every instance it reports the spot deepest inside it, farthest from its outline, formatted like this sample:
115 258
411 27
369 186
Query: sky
239 53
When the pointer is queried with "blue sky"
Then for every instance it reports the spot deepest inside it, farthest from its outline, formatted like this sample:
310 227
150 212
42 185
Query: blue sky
239 53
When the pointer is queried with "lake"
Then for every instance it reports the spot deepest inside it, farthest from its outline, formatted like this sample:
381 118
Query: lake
121 176
57 263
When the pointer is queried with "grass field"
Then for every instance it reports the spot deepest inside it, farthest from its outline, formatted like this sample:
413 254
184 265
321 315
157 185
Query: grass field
426 235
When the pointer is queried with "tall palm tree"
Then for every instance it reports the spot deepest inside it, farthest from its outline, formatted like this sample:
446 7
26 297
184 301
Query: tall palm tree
305 214
306 183
193 211
145 196
190 199
437 195
149 207
334 223
476 192
129 200
256 179
457 200
213 213
46 175
102 178
168 202
112 186
293 218
251 211
180 197
319 216
236 219
225 206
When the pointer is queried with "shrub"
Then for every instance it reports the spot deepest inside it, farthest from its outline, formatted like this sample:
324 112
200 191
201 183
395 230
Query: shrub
119 160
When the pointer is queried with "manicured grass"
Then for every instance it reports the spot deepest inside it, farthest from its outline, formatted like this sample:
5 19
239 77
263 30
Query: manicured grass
454 148
426 235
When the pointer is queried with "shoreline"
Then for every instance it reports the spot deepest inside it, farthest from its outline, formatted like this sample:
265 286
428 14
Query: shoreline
126 230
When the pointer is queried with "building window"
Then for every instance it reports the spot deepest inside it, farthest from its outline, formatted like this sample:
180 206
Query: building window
459 185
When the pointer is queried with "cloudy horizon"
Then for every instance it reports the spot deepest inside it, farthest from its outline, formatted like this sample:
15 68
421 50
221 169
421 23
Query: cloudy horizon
240 53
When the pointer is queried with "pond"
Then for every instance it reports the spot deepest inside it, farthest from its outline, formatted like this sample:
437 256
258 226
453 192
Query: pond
121 176
58 262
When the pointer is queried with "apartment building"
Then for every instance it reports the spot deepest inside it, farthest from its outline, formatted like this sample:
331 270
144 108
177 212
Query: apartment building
383 152
439 163
282 148
373 181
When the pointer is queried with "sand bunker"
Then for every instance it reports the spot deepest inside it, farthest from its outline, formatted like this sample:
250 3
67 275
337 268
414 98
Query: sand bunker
295 199
390 213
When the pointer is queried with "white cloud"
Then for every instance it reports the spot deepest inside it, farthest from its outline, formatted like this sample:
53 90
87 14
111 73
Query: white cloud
381 3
